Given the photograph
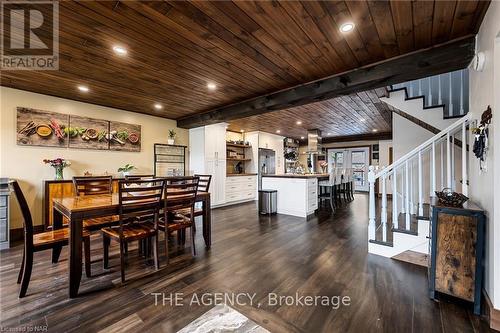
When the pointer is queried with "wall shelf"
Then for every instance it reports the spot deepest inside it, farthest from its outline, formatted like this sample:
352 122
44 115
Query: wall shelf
238 159
236 145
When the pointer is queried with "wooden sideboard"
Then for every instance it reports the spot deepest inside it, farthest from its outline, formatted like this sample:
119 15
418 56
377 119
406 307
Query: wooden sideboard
56 189
457 249
5 193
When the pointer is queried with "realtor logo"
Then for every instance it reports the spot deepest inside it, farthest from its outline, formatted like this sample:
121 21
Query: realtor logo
30 35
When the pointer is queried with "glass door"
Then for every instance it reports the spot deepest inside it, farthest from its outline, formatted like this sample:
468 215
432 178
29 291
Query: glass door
356 158
360 163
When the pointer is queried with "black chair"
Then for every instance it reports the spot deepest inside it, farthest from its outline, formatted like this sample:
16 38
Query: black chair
54 240
138 199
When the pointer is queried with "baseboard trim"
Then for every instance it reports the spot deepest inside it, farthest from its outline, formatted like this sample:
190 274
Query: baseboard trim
492 314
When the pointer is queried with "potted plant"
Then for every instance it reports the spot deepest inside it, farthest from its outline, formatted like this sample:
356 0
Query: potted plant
58 164
171 137
125 170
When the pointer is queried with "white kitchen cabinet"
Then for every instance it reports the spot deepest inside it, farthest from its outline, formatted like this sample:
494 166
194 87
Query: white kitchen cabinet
241 188
215 141
296 196
207 155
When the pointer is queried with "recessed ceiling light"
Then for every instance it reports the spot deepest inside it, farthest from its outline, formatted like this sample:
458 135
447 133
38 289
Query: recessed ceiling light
120 50
374 130
242 131
83 88
211 86
302 138
346 27
158 106
362 120
278 131
299 122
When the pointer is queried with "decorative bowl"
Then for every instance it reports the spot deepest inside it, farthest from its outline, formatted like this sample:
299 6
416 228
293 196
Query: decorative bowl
450 198
44 130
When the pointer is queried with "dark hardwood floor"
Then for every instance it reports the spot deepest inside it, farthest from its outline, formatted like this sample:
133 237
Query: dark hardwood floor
326 255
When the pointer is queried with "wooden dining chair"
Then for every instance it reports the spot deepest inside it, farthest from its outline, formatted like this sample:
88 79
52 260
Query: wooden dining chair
137 198
180 195
139 177
95 185
204 183
54 240
203 186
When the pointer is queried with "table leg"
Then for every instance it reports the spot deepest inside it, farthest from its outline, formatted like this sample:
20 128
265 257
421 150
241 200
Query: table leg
207 222
57 223
75 255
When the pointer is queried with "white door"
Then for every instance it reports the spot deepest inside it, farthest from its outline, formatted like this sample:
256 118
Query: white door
356 158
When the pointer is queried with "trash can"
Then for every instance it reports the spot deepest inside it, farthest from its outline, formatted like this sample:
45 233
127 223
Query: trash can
268 201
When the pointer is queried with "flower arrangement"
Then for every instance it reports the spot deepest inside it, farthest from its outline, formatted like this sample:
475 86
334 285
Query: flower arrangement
58 164
323 165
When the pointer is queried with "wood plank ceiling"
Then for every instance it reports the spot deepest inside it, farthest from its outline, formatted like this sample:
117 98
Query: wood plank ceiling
247 48
353 114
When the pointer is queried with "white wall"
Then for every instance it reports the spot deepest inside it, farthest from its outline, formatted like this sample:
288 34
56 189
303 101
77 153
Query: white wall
484 91
25 163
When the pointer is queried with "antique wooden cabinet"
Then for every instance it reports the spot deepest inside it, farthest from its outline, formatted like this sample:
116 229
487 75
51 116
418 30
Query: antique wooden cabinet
4 213
457 248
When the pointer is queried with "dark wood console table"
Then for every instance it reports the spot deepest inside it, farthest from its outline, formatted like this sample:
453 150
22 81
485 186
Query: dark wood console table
457 250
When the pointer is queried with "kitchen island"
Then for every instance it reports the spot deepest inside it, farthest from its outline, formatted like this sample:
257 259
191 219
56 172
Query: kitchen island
297 193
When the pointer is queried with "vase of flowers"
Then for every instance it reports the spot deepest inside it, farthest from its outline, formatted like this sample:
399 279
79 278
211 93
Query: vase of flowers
125 170
323 165
171 137
58 164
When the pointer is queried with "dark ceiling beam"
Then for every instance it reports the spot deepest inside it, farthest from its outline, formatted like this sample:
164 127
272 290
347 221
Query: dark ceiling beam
358 137
438 59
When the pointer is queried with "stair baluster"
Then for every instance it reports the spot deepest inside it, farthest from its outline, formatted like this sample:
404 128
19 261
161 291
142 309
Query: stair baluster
383 212
465 185
404 236
394 197
420 187
448 161
433 169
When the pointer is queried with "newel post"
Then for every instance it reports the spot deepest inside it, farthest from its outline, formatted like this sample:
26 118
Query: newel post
371 212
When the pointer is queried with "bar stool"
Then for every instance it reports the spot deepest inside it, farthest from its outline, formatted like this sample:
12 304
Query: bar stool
329 187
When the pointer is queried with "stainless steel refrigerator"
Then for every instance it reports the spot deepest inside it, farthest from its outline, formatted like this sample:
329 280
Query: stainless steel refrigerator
267 163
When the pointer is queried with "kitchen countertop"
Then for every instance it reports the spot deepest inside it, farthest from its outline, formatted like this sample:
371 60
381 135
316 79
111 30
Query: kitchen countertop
296 175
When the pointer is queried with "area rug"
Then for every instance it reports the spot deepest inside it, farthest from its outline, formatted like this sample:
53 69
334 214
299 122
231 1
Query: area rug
222 319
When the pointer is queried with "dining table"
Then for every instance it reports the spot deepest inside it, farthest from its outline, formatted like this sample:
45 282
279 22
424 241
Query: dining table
78 208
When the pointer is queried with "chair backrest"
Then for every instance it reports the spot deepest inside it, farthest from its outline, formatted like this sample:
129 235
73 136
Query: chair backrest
27 220
139 177
92 185
204 183
139 198
180 193
338 176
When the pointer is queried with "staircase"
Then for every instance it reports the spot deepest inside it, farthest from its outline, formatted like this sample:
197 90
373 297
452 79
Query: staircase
401 222
449 92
